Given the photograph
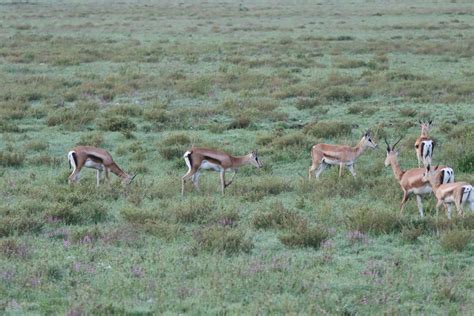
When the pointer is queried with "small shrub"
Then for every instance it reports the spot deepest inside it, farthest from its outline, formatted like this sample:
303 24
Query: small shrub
176 139
95 139
117 124
276 217
408 112
242 121
139 215
37 145
156 115
411 234
307 103
222 239
297 139
86 235
161 229
194 211
19 224
304 236
339 93
369 220
465 163
328 129
456 240
11 249
11 158
125 110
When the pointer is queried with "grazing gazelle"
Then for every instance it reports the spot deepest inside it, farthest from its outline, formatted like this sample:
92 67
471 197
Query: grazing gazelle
424 145
204 158
324 155
459 193
96 158
411 180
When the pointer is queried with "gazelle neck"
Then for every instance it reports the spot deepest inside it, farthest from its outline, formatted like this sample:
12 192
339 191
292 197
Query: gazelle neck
397 171
359 148
240 160
424 132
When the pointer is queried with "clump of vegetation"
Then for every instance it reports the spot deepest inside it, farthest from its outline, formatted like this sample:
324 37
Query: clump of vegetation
370 220
277 216
241 121
222 239
307 103
117 124
174 146
456 240
328 129
194 211
11 158
91 139
304 236
10 248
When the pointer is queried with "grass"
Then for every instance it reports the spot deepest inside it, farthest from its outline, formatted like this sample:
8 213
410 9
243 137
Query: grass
147 80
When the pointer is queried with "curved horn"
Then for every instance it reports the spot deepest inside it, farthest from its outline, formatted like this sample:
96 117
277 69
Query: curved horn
386 142
397 142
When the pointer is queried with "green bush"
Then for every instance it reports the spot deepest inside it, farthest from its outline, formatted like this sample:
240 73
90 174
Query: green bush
276 217
328 129
369 220
162 229
117 124
194 211
11 158
456 240
304 236
222 239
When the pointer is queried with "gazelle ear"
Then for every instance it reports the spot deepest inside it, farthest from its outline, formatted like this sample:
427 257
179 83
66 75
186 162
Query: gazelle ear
436 168
431 121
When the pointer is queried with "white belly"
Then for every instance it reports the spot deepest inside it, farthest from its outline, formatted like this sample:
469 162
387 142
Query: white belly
206 165
423 190
336 162
95 165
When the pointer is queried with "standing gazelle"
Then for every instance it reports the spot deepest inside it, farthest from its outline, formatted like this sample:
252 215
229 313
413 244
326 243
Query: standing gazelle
324 155
95 158
411 180
205 158
424 145
459 193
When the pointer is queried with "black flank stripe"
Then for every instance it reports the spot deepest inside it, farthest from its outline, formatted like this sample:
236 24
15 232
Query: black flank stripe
95 158
74 156
422 149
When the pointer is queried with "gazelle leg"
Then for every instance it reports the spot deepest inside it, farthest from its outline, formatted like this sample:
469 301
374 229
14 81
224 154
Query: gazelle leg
352 170
420 205
321 168
449 210
99 173
311 170
195 180
341 167
231 179
222 175
186 177
459 208
404 199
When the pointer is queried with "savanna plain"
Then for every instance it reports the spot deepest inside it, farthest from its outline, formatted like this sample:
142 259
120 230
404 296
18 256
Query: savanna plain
148 79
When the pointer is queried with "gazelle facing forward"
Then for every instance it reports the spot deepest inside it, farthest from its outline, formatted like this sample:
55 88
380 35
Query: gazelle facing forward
411 180
457 193
95 158
324 155
424 145
198 159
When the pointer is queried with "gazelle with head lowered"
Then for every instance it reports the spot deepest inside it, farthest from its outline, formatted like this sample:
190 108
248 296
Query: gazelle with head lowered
411 180
324 155
95 158
424 145
457 193
198 159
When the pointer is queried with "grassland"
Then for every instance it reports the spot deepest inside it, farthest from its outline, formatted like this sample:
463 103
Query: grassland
147 79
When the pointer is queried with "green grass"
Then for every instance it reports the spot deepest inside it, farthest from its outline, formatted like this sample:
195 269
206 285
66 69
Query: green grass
146 80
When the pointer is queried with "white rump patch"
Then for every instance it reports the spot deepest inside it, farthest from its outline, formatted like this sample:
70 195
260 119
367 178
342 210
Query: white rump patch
71 160
186 159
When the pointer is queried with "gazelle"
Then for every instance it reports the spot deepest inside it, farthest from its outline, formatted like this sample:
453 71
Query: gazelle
457 193
95 158
411 180
424 145
198 159
324 155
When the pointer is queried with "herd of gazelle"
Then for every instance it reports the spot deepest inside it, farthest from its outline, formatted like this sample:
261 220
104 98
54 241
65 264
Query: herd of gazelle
417 181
